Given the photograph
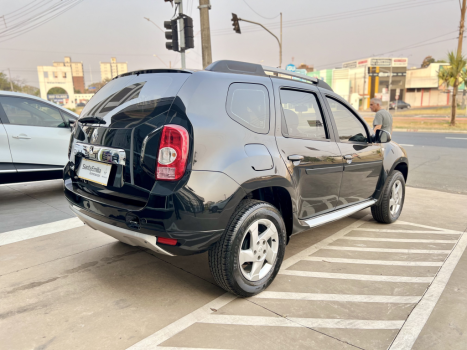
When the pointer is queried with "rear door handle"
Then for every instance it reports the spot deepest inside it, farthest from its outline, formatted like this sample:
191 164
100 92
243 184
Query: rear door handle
348 158
295 158
22 136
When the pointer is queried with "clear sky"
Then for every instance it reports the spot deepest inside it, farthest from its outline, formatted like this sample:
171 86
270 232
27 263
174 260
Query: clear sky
318 32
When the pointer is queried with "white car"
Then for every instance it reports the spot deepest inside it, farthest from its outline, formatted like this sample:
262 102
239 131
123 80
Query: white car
34 134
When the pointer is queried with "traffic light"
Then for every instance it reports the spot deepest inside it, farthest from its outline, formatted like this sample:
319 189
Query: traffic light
188 30
171 34
235 24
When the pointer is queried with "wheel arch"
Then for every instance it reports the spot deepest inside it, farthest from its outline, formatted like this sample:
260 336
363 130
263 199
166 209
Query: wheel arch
279 192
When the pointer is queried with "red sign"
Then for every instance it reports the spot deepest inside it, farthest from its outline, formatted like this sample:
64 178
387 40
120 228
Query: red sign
362 62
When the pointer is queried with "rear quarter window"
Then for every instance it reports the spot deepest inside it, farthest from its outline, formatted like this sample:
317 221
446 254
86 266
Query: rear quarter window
248 105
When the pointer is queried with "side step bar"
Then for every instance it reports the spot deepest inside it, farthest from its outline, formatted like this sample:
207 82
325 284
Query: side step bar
337 215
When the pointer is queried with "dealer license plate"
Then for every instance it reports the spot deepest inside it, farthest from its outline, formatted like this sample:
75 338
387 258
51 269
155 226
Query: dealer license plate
94 171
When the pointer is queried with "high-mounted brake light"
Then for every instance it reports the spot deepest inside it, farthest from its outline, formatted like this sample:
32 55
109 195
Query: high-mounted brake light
173 153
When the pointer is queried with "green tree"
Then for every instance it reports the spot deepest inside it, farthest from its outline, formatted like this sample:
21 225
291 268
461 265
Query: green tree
18 86
427 61
453 75
56 91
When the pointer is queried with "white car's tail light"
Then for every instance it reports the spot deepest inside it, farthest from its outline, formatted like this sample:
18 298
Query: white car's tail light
173 153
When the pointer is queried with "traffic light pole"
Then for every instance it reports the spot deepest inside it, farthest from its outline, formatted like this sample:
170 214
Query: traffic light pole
181 32
278 41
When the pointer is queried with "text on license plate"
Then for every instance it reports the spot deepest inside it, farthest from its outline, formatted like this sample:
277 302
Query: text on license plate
94 171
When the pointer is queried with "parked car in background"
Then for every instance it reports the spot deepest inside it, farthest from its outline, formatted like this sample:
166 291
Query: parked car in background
81 104
234 159
400 105
34 135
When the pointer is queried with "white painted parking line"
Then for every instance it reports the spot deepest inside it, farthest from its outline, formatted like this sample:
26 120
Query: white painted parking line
351 276
205 314
411 231
387 250
39 230
456 138
339 297
426 226
374 262
168 332
304 253
299 322
418 317
405 145
402 240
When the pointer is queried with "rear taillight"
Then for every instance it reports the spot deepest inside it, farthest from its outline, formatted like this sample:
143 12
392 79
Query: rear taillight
173 153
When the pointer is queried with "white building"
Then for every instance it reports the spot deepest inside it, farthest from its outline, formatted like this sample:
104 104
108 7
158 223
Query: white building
110 70
424 88
51 77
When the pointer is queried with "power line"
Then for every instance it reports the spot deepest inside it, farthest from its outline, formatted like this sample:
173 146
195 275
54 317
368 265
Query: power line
38 20
251 8
338 16
19 8
406 47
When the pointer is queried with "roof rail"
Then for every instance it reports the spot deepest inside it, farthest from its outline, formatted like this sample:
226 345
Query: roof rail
277 71
236 67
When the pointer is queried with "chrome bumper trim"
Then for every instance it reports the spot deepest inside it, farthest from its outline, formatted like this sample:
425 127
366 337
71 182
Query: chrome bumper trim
132 238
100 153
337 215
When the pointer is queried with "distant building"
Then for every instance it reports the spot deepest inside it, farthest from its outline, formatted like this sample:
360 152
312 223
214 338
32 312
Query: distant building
360 80
110 70
424 88
77 72
306 67
66 75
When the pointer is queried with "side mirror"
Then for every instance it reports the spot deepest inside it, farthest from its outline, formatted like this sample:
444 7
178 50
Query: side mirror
382 136
71 123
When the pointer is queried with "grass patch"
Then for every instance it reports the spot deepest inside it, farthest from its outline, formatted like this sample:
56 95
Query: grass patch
414 123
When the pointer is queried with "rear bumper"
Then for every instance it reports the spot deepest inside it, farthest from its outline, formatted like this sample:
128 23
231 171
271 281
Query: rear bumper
132 238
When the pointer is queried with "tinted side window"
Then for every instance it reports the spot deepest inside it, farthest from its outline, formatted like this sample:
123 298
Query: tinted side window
23 111
303 117
248 104
348 126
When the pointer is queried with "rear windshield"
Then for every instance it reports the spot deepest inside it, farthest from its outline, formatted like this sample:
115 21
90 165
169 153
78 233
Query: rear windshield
130 93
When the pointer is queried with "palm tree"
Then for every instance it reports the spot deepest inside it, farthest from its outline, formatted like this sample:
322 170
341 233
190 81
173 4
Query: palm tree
453 75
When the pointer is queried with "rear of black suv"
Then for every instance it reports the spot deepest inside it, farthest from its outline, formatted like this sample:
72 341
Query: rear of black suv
131 158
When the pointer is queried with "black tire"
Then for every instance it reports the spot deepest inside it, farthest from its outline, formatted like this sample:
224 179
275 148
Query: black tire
224 255
382 210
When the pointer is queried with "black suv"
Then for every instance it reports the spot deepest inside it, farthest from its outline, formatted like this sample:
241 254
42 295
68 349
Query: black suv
233 160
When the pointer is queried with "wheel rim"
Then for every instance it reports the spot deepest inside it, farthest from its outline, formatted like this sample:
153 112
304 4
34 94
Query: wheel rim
396 198
258 251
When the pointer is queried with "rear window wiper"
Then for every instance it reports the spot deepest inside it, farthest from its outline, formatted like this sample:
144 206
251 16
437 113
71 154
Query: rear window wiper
92 120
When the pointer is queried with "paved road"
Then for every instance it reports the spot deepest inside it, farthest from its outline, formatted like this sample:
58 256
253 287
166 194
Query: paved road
350 284
436 160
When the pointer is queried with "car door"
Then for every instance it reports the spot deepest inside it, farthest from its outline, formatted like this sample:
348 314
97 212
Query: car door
363 160
6 163
37 134
306 145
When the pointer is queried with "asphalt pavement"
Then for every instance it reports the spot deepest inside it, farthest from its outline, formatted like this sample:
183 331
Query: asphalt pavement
437 161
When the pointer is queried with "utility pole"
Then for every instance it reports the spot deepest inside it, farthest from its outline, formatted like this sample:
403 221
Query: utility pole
11 83
181 24
204 7
461 29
